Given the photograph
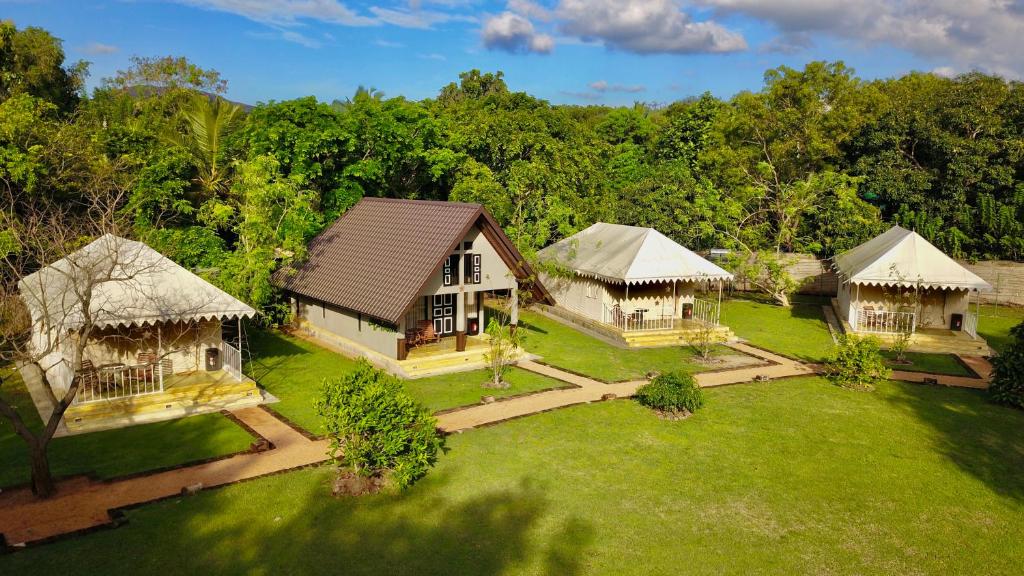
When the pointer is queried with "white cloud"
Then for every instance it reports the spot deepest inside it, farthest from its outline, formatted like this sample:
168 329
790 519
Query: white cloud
645 27
603 86
640 26
984 34
388 44
944 71
421 19
514 33
287 12
788 43
99 49
530 9
433 56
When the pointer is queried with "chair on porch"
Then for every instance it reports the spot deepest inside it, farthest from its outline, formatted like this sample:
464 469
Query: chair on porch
90 379
869 314
146 367
427 333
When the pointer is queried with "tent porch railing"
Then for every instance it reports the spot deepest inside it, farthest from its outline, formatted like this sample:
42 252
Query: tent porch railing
232 361
883 321
971 324
640 318
121 381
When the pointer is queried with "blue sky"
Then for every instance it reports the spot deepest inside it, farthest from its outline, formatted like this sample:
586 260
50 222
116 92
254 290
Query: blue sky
567 51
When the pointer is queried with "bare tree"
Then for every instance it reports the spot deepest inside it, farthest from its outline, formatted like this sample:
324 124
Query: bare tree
47 319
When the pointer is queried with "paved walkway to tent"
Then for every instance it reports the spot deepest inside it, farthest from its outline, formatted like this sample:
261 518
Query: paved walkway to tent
588 390
82 503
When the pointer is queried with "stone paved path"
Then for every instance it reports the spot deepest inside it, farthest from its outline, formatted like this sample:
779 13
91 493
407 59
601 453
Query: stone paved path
589 390
979 364
82 503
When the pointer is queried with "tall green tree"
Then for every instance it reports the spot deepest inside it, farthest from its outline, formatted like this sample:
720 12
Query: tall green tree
32 63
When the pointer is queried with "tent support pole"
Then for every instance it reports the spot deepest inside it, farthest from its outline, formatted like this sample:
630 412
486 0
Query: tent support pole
160 355
718 311
675 303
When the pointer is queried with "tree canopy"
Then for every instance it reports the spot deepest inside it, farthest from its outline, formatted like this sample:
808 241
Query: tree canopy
817 160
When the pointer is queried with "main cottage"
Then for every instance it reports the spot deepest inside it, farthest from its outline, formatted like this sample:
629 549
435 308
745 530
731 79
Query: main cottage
403 283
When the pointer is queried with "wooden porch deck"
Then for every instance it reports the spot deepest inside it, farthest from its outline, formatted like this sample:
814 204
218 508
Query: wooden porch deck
682 334
929 340
184 394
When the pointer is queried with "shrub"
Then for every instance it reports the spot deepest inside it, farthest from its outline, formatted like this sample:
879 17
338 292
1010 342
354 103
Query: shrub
375 429
672 392
857 363
1008 378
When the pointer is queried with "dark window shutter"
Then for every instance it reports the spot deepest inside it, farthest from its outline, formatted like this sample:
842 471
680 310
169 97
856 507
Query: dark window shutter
471 269
450 271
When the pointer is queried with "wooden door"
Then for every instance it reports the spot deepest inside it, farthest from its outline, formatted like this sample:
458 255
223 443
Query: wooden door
442 311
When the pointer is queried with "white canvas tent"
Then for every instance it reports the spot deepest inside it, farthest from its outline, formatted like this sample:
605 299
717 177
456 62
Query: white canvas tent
902 259
632 277
630 255
137 295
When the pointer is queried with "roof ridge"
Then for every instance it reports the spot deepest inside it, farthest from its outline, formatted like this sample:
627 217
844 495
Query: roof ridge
417 201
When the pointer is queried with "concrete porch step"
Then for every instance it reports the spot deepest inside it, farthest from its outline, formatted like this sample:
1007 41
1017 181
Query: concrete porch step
186 398
671 338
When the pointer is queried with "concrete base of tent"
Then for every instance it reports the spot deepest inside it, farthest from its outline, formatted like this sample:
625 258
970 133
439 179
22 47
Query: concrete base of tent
928 340
183 395
683 334
422 361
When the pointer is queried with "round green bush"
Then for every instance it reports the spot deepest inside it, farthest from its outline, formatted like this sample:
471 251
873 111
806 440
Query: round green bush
1008 379
857 363
376 429
671 392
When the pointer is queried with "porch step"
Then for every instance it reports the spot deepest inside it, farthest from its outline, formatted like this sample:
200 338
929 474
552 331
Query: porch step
428 366
655 339
180 400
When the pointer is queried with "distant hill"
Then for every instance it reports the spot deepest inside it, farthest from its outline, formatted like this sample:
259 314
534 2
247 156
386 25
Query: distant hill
143 91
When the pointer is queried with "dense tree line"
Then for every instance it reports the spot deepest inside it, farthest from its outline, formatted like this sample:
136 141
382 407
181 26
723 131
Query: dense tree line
817 160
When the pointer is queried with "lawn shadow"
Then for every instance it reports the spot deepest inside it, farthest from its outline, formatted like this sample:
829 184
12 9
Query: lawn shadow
981 438
302 529
268 351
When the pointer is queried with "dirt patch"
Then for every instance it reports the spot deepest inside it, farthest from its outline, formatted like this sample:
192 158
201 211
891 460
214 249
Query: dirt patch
727 361
348 484
673 415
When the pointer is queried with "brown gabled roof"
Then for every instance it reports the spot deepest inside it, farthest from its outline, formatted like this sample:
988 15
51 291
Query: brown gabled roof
379 256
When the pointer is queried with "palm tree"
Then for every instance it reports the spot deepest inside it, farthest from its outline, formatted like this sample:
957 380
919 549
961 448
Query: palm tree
205 120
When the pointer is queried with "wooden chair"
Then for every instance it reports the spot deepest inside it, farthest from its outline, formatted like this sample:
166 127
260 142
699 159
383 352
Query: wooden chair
88 376
144 370
427 333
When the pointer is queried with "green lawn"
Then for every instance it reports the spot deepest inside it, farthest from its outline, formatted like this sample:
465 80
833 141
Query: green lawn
465 388
565 347
799 331
116 452
933 363
995 324
788 477
293 369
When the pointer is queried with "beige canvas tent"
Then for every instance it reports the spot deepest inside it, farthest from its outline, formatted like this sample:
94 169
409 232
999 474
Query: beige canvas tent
899 282
157 337
633 279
